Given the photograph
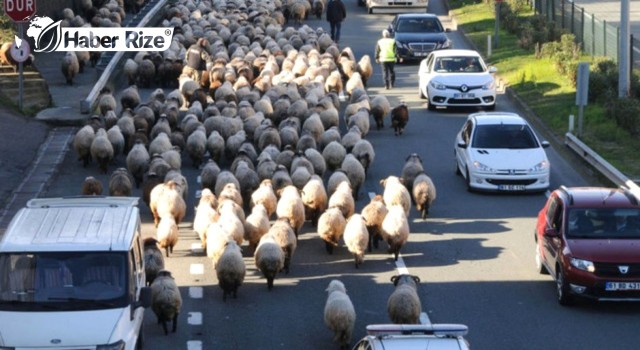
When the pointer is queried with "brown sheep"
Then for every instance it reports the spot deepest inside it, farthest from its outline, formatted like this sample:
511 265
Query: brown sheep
399 118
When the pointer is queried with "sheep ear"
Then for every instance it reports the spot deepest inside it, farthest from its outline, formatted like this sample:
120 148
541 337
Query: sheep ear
394 279
416 278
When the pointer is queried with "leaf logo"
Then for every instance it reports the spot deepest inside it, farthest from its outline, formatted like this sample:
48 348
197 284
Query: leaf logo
47 38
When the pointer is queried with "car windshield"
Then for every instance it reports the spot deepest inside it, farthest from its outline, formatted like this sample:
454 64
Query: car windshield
604 223
510 136
457 64
68 281
418 25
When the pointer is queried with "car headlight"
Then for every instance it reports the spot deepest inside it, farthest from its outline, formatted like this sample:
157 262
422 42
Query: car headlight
489 85
542 166
481 167
402 45
119 345
437 85
446 44
584 265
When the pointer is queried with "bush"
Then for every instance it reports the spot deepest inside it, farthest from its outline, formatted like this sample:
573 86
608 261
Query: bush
562 53
626 112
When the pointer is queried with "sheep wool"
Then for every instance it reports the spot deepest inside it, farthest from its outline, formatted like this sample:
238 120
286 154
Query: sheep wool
403 305
269 258
374 214
167 234
286 238
91 186
206 214
314 198
395 229
82 141
396 193
331 226
266 196
166 200
290 206
342 198
153 259
356 237
339 313
256 225
102 150
166 300
424 193
230 270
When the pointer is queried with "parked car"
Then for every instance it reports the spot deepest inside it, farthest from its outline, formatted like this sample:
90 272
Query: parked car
414 337
393 6
453 78
587 238
418 34
498 151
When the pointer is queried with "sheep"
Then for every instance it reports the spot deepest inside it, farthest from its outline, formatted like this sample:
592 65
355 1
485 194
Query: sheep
286 238
160 144
374 214
256 225
266 196
399 118
165 200
120 183
70 67
102 150
197 146
380 107
361 120
269 258
355 172
232 219
365 68
167 234
290 206
158 166
342 198
106 101
130 69
281 179
339 313
82 141
91 186
115 136
395 229
173 158
300 176
356 237
334 153
217 239
403 305
209 174
224 177
266 165
424 193
206 214
331 225
248 178
364 153
130 98
317 161
166 300
351 137
153 259
215 145
411 168
314 198
230 270
396 193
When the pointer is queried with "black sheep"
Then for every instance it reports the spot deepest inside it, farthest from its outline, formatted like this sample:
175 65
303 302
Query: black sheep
399 118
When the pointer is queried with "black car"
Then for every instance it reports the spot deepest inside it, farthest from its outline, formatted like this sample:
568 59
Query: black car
417 34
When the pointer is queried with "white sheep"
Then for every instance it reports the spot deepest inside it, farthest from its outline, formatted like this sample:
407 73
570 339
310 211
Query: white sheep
206 214
356 237
374 214
82 141
120 183
231 191
230 270
232 219
70 67
256 225
411 168
396 193
217 239
115 136
364 153
166 300
266 196
424 193
403 305
138 162
331 225
285 236
290 206
342 198
314 198
153 259
165 199
102 150
395 229
339 313
167 234
269 258
380 107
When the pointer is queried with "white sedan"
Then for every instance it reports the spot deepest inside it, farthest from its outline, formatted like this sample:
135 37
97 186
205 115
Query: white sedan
498 151
457 78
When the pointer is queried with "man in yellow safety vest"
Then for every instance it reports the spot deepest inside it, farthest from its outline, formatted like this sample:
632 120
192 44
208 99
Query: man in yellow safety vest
386 54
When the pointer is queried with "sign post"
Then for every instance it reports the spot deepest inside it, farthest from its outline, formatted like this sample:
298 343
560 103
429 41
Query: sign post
20 11
495 42
582 92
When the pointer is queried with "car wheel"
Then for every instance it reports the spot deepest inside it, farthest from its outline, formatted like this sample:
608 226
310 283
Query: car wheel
468 180
431 106
455 159
370 10
539 265
562 289
492 107
140 342
420 94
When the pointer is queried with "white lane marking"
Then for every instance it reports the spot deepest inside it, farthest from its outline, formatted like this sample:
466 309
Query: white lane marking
424 318
196 292
196 269
199 179
197 248
194 345
195 318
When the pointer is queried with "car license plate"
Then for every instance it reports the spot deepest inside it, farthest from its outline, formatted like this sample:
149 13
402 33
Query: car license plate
421 54
511 187
622 286
464 95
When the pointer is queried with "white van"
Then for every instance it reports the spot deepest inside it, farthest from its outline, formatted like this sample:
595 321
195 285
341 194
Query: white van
72 275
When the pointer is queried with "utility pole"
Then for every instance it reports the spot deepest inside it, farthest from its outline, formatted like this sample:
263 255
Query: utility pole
624 74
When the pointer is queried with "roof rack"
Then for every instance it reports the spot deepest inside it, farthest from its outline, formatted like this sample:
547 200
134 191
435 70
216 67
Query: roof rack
565 190
442 329
630 196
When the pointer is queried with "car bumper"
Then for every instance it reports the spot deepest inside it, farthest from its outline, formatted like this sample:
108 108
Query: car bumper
397 6
590 286
452 98
505 183
419 52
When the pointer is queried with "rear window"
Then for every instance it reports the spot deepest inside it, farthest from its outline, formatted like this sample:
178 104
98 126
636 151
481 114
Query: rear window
510 136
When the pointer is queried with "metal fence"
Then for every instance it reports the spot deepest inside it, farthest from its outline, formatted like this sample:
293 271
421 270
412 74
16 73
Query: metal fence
597 37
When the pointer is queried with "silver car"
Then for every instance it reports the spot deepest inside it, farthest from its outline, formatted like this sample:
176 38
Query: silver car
414 337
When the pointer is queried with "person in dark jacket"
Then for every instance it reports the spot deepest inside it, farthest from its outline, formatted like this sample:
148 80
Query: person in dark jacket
196 59
336 13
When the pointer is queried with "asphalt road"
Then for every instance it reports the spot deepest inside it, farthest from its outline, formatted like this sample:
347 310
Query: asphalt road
474 254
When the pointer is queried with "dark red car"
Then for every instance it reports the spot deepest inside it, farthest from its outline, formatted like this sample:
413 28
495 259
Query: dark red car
588 239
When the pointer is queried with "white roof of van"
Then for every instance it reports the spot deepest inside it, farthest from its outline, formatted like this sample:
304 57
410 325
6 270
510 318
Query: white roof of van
73 224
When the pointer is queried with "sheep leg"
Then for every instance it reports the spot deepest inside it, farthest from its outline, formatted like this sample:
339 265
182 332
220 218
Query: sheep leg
175 322
329 247
166 251
269 283
164 327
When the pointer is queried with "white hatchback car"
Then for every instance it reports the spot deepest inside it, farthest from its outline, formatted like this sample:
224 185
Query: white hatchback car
498 151
457 78
414 337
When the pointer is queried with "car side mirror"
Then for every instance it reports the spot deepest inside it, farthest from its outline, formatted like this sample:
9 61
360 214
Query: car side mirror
144 300
448 30
544 144
462 144
551 232
493 69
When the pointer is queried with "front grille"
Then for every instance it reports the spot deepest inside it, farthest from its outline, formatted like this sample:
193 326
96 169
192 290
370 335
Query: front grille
464 101
459 87
498 182
512 172
422 47
612 270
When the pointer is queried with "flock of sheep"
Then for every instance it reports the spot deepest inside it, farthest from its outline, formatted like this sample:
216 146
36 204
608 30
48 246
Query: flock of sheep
263 128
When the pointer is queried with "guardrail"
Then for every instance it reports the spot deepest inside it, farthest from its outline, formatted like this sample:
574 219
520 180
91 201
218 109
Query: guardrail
600 164
116 62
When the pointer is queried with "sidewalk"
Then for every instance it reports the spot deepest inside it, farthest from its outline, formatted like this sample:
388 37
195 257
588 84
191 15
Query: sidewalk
610 11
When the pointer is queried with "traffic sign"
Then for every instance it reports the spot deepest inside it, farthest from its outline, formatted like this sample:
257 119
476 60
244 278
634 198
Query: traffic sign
20 10
21 52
